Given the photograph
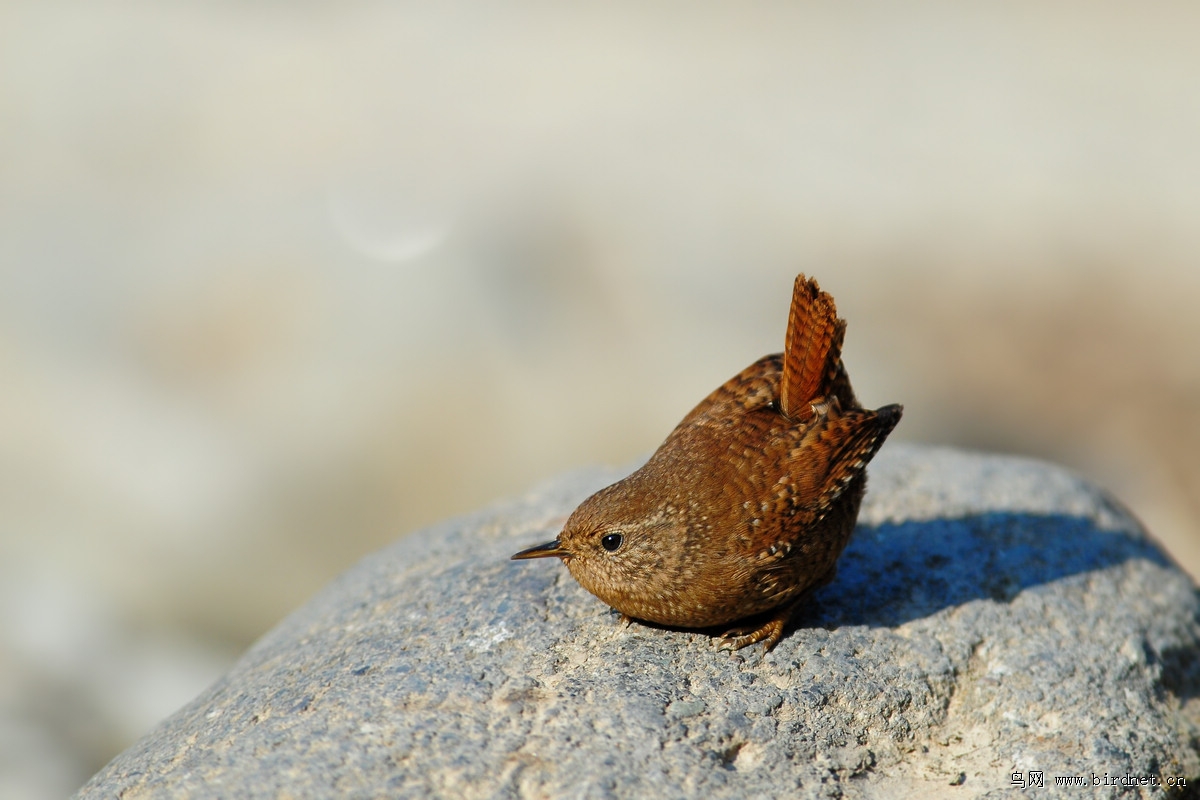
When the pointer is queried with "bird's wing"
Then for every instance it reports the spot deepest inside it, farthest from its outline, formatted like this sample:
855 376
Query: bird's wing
833 452
755 387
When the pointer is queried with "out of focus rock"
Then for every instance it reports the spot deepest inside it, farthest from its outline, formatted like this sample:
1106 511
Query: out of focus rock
992 616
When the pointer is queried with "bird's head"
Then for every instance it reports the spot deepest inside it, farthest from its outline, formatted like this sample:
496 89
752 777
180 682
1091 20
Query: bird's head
616 547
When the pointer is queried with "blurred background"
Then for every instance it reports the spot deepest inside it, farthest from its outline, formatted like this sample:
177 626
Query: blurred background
283 282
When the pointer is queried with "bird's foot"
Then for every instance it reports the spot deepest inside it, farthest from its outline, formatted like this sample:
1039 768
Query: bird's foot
768 633
771 631
624 619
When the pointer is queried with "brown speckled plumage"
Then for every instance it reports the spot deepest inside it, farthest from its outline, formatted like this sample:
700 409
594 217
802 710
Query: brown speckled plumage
748 503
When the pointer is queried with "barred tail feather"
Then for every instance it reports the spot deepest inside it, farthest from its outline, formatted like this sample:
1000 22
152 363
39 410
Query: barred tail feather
812 352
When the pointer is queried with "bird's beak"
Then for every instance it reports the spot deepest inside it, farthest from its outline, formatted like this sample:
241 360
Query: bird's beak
547 550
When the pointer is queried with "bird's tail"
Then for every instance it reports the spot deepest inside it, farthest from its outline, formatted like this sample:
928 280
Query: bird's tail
812 355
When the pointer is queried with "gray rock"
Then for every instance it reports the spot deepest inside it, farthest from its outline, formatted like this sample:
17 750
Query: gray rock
991 615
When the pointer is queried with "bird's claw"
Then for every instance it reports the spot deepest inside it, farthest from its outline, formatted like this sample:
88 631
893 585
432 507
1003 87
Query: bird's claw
768 633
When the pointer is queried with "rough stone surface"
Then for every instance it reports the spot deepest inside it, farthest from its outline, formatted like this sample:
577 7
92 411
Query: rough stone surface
991 615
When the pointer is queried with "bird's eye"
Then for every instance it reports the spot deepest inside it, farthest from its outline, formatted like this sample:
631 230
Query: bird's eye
611 542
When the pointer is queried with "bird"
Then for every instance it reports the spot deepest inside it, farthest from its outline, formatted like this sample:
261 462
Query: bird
744 509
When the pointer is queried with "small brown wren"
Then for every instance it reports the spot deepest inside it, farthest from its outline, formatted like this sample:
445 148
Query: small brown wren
747 505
